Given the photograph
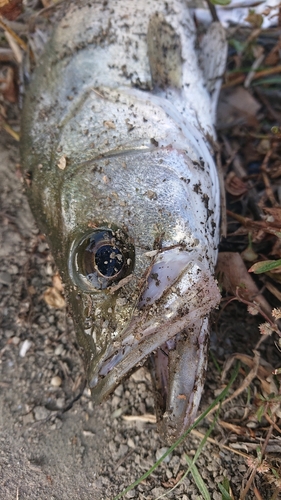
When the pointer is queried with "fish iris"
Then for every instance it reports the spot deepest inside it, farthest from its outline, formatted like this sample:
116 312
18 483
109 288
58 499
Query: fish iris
101 258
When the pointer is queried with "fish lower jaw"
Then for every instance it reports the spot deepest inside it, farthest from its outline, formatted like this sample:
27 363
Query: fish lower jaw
187 365
142 338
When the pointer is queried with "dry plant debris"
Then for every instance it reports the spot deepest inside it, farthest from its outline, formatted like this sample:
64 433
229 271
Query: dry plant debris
249 137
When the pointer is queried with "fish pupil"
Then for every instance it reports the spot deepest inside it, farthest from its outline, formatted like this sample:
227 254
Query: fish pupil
108 260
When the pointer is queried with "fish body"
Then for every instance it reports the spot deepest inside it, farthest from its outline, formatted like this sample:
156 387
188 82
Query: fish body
117 127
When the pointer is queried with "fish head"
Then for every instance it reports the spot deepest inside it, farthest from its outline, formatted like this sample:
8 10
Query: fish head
137 267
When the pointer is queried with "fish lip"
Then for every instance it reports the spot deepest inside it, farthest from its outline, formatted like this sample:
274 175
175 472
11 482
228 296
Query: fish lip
145 341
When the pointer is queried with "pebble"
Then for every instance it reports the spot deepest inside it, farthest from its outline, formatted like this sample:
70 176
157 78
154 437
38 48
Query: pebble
25 346
123 450
15 340
56 381
115 401
28 419
41 413
131 443
131 494
156 492
161 452
59 349
5 278
60 403
8 333
13 269
139 375
119 390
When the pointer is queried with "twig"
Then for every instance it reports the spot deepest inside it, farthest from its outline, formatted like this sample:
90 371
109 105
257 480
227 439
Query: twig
266 181
257 75
251 73
220 445
253 473
19 41
213 11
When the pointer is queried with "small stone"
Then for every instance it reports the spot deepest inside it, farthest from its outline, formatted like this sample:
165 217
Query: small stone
58 350
156 492
42 247
15 340
90 406
28 419
41 413
8 333
25 346
115 401
169 473
131 443
56 381
119 390
5 278
13 269
139 375
60 403
131 494
161 452
123 450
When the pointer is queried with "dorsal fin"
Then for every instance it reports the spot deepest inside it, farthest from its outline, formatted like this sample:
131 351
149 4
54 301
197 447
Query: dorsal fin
164 52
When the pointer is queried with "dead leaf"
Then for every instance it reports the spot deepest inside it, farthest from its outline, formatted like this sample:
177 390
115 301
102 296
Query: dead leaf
254 19
234 185
57 283
232 273
236 429
173 480
263 373
10 9
236 106
53 298
275 213
7 84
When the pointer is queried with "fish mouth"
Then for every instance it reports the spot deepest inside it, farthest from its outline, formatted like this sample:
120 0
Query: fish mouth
170 321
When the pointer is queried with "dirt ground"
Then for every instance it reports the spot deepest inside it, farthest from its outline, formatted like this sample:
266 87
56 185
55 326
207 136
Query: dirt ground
54 444
86 452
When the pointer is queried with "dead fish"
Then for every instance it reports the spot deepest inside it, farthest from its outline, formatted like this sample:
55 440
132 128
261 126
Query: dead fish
117 131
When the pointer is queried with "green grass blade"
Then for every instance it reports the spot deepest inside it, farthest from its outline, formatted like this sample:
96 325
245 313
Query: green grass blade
224 492
198 452
219 398
220 2
265 266
198 479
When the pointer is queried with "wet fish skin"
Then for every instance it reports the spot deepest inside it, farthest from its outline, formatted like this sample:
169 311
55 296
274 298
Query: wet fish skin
115 143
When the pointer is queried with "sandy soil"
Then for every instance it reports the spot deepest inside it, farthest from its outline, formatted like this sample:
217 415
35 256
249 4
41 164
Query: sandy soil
55 448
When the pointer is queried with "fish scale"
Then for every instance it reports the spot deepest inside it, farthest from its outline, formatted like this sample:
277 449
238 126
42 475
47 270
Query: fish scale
117 136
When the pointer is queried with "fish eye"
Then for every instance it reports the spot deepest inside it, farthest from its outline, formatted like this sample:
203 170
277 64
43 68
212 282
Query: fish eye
101 258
